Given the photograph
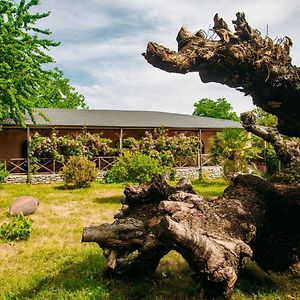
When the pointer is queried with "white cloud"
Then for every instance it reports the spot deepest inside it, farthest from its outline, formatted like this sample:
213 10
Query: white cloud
103 40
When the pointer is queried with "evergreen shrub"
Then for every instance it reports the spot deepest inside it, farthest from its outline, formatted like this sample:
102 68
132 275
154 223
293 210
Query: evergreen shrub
79 172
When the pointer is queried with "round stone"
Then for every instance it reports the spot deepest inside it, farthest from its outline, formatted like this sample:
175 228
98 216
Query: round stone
24 204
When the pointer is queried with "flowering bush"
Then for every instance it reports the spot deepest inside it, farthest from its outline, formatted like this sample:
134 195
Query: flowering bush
167 149
61 148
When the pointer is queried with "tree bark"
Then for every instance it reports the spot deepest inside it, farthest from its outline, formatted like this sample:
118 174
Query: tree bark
212 235
244 60
288 154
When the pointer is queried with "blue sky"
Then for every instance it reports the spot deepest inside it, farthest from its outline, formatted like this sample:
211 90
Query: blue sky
102 42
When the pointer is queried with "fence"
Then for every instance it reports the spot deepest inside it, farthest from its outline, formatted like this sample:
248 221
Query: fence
18 166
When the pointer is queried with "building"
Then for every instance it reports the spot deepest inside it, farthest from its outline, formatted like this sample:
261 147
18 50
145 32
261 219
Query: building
113 124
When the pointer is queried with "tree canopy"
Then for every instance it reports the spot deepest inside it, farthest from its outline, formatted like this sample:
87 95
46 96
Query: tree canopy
220 109
25 80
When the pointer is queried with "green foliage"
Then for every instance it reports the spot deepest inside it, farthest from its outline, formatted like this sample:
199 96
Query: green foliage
134 167
220 109
61 148
287 175
272 160
3 172
265 119
18 229
58 93
167 149
24 83
79 172
233 149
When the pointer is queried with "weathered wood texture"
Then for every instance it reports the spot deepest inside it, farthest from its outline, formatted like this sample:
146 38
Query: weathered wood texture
244 60
212 235
288 151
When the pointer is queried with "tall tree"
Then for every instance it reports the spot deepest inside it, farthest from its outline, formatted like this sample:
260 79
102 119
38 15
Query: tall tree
220 109
57 92
24 80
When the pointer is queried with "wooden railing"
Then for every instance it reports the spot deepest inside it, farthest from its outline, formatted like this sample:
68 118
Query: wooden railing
103 163
197 161
19 166
207 160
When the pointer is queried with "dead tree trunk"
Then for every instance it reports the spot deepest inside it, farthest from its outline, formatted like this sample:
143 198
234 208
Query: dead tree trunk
287 151
288 154
212 235
243 60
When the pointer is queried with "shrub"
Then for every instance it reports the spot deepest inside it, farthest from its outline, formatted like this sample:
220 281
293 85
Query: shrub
3 172
79 172
18 229
290 175
234 150
134 167
271 160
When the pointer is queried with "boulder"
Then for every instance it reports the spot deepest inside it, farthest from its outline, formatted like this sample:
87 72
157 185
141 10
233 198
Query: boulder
24 204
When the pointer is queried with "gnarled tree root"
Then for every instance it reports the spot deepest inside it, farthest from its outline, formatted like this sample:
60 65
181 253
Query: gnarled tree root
212 235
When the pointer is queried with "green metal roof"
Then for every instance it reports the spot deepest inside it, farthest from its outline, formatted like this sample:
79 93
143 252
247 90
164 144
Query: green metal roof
125 119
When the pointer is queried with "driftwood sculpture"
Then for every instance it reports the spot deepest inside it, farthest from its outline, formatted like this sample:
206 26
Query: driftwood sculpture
244 60
212 235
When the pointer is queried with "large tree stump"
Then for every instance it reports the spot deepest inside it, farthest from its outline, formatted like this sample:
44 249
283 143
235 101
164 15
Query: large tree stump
212 235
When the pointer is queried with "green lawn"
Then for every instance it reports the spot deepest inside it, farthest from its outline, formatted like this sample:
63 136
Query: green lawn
54 264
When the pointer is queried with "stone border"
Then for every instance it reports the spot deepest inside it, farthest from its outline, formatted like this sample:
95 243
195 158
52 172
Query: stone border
210 172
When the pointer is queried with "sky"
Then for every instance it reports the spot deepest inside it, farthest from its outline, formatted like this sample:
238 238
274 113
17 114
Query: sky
102 42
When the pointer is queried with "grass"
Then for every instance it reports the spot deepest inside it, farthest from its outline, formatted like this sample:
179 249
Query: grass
54 264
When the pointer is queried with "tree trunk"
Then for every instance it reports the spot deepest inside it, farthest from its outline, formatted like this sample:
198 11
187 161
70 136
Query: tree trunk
287 151
212 235
243 60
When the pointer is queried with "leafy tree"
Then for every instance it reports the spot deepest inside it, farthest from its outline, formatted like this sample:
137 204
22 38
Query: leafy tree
233 149
58 92
220 109
24 82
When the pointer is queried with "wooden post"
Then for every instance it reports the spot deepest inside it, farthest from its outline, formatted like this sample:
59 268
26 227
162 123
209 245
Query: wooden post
28 155
121 140
200 154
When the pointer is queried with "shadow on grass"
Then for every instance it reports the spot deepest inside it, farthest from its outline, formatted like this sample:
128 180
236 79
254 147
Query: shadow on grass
68 188
252 281
109 200
74 278
84 280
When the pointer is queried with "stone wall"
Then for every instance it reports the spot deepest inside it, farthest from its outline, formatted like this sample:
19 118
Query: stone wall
211 172
191 172
35 179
